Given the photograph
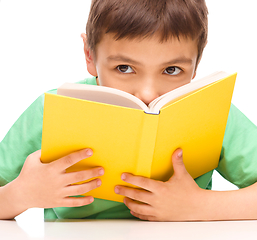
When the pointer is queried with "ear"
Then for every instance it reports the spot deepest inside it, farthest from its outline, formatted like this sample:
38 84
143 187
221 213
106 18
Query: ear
91 68
199 60
194 74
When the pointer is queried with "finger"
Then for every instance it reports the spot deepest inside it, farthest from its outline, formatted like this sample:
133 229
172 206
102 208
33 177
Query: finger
80 189
178 164
138 207
76 201
71 159
32 162
35 155
142 182
143 217
136 194
75 177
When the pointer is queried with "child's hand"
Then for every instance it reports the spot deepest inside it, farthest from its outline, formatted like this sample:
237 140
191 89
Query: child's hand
48 185
178 199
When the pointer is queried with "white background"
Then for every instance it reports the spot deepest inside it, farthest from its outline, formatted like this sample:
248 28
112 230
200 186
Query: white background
40 48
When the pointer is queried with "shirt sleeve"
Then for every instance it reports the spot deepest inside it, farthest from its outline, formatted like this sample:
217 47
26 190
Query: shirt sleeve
22 139
238 161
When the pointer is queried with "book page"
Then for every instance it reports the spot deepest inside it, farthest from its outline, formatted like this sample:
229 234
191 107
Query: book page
101 94
165 99
121 98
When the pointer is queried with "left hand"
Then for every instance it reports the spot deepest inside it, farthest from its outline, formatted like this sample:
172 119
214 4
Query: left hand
178 199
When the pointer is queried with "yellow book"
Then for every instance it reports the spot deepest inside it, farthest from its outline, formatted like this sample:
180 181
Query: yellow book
134 137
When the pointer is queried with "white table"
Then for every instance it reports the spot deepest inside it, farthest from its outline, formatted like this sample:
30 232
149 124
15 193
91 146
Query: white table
128 229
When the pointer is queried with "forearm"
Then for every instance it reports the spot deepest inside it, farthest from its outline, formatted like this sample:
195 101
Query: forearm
229 205
11 201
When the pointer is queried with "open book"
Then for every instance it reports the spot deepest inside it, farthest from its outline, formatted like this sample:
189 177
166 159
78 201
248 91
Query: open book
126 138
117 97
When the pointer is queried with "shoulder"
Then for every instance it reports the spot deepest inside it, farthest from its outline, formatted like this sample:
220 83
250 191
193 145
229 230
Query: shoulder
238 122
239 152
239 129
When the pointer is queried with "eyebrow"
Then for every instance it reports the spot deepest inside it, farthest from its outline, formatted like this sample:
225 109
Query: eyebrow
183 60
179 60
120 58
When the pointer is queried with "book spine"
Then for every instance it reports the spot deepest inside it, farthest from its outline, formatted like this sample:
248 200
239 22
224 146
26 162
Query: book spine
147 145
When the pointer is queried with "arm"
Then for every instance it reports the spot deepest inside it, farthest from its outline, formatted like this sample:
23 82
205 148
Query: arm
184 200
20 181
180 198
48 185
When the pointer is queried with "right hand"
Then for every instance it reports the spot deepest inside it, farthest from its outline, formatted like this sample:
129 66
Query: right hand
48 185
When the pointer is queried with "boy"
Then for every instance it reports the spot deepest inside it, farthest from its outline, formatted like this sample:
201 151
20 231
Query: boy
145 48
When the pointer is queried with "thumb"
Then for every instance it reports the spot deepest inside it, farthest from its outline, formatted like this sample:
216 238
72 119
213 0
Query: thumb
178 164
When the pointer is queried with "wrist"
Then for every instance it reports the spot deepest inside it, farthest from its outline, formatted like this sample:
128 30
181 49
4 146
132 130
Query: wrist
10 204
16 196
201 206
228 205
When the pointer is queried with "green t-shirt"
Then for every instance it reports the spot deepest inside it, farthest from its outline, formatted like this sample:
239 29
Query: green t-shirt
238 161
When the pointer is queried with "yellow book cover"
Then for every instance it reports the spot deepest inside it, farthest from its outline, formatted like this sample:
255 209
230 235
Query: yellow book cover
125 139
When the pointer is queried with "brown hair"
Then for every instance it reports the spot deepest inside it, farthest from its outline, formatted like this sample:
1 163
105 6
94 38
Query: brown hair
143 18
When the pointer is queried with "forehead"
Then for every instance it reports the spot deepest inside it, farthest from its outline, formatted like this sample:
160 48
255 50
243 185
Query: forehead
147 48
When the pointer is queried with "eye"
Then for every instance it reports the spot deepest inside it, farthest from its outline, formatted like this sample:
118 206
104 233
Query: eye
172 70
125 69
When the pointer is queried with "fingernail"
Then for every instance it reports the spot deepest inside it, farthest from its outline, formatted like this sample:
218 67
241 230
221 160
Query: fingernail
180 153
89 152
117 190
123 176
101 172
98 182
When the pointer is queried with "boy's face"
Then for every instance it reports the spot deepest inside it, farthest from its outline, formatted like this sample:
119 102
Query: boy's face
146 67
